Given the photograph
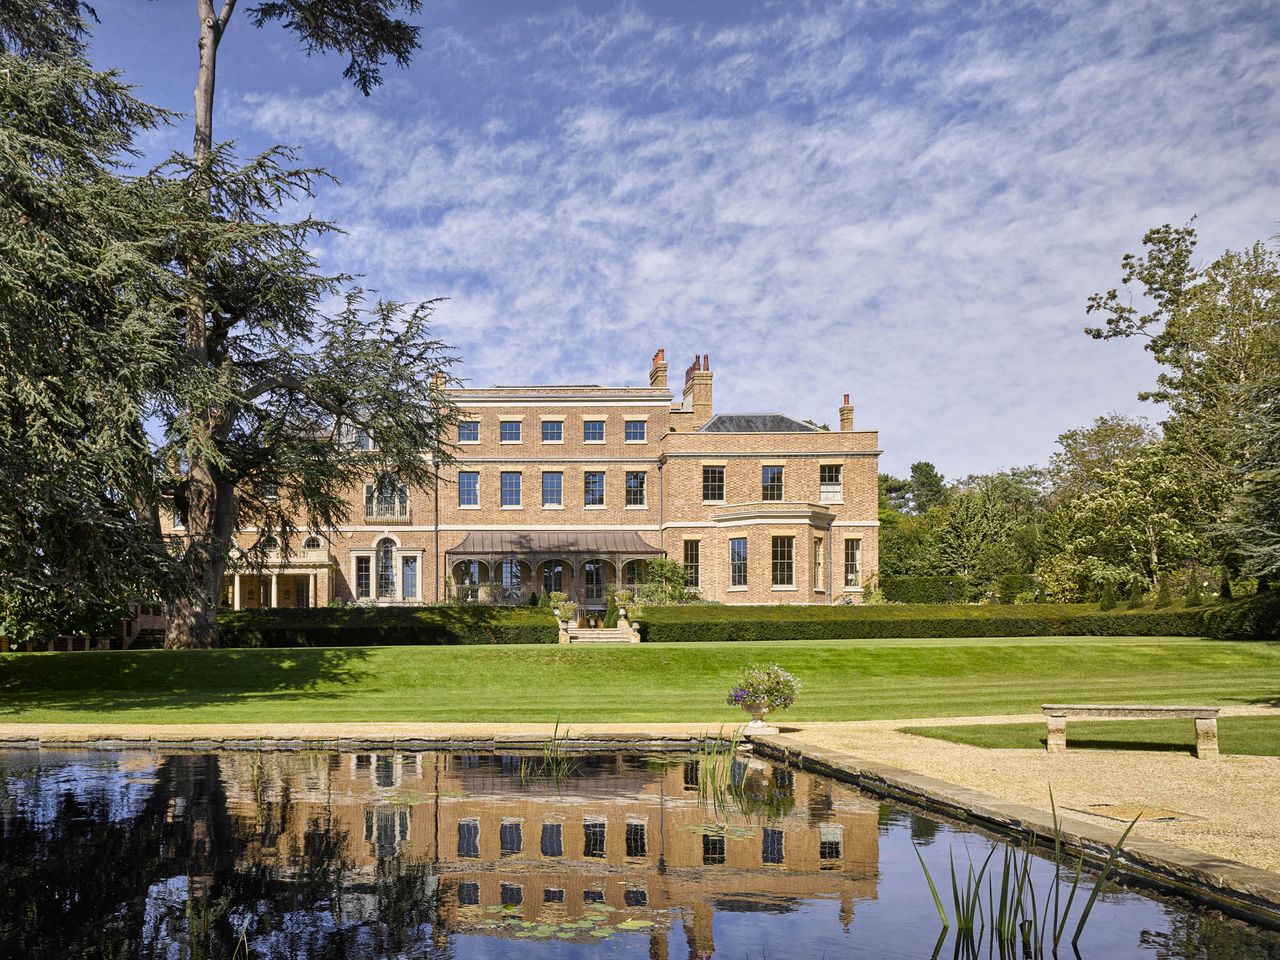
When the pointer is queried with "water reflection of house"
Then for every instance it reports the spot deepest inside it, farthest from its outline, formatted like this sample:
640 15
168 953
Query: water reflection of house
623 832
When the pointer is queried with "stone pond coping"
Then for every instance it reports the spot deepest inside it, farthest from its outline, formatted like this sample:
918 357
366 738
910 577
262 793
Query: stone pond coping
1235 888
1232 887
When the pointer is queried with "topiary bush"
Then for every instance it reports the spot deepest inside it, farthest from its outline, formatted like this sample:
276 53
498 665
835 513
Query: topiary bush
389 626
1137 595
1163 597
1108 601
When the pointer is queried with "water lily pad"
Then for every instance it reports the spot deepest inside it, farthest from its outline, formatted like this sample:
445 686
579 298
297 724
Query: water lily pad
602 933
566 934
635 924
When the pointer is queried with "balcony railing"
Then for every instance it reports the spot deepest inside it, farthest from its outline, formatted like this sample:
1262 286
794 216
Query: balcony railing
387 511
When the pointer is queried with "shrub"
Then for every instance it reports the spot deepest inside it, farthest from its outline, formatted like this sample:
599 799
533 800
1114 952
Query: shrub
1137 595
1163 597
925 589
1009 586
764 683
392 626
678 624
1253 618
1194 597
1108 601
611 611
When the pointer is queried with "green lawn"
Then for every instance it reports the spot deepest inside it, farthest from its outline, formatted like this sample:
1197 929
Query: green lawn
842 680
1259 736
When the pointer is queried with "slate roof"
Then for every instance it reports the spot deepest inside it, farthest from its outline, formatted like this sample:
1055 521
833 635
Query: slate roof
755 423
594 542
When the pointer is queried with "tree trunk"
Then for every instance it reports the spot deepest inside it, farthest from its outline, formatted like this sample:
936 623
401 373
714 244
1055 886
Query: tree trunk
193 621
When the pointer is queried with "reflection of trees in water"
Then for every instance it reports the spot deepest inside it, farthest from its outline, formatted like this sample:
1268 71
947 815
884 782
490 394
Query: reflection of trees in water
1193 936
171 882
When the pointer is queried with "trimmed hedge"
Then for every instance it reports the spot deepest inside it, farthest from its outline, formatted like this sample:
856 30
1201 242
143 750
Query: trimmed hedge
925 589
675 624
385 626
1254 618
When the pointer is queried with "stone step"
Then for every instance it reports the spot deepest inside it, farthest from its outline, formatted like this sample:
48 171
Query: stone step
600 635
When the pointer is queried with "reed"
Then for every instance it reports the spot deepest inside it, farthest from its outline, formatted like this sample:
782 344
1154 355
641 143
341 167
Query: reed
716 786
1015 914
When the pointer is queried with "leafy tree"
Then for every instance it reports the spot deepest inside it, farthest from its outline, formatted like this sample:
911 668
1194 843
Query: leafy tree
1086 452
1212 329
895 497
1254 523
664 584
928 489
261 429
908 547
78 350
981 515
1136 525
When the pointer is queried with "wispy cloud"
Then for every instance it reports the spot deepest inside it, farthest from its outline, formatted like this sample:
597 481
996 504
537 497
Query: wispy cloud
909 203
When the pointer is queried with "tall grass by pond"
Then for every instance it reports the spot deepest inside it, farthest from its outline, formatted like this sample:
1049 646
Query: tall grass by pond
1015 919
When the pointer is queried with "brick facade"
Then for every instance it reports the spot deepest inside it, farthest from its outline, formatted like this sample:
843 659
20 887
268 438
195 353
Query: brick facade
407 548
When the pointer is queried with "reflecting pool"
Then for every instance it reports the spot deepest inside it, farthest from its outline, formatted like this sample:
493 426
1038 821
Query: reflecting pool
409 854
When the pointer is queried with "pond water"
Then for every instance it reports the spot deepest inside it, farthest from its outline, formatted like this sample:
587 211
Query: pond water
399 854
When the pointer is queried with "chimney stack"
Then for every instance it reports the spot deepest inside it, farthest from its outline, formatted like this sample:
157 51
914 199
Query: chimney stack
658 372
697 390
846 416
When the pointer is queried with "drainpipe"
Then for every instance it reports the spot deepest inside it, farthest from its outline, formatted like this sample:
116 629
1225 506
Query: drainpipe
662 509
831 561
435 497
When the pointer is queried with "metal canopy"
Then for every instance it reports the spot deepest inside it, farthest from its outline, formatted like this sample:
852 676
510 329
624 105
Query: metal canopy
567 542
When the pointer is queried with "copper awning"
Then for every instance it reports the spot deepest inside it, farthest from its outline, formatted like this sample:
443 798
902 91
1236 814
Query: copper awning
590 542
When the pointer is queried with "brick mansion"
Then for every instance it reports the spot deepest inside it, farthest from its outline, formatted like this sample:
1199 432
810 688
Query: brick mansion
576 488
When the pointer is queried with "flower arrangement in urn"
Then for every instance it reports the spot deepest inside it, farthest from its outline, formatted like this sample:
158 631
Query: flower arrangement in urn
760 689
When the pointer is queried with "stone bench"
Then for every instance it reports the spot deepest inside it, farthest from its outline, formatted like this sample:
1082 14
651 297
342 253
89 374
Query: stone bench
1206 719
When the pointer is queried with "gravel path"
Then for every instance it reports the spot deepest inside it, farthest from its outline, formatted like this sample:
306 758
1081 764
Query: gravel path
1228 807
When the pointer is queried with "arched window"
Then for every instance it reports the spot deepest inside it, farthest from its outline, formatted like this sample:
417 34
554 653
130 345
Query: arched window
635 572
553 577
311 543
385 552
593 580
467 576
270 543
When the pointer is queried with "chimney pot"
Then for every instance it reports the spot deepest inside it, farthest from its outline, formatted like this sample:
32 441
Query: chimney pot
846 399
706 362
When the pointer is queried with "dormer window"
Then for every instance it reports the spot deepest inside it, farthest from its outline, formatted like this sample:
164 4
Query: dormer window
362 439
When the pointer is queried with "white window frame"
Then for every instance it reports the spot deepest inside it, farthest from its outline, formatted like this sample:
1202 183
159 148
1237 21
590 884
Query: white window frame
829 492
502 490
469 506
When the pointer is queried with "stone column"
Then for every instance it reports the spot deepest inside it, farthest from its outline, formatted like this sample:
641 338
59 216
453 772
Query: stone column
314 598
275 590
235 591
1207 738
1057 739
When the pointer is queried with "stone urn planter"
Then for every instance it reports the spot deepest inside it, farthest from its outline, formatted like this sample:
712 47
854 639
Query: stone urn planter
756 724
762 688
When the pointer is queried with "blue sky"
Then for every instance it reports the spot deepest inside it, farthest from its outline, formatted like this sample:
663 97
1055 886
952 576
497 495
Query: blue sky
906 202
